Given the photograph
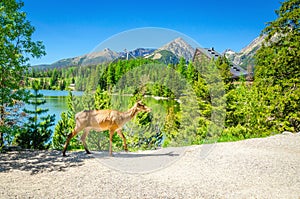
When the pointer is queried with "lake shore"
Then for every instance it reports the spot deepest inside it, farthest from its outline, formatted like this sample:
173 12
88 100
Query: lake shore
255 168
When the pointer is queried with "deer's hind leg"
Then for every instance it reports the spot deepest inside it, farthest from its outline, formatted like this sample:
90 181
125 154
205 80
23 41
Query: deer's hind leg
111 133
123 138
83 137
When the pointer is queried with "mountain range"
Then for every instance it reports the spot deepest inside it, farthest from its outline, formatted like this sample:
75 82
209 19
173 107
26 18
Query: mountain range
245 57
168 53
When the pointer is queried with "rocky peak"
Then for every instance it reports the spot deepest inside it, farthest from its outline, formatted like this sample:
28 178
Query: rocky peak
180 48
255 44
245 57
229 52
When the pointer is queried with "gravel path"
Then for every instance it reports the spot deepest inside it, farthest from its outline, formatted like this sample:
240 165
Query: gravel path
254 168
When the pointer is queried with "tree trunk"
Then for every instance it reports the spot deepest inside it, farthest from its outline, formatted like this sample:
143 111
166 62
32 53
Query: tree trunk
1 125
1 140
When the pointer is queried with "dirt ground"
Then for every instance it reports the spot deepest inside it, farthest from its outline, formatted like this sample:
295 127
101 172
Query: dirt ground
254 168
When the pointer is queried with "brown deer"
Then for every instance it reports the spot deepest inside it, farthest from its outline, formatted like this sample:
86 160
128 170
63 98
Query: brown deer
102 120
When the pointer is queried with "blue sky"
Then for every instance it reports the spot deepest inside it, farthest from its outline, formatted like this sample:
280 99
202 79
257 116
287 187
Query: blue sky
71 28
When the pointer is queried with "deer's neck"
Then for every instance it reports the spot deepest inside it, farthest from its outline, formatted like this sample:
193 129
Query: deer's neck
128 115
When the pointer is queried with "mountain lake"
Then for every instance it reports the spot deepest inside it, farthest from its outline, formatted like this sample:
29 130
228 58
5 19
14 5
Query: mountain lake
57 102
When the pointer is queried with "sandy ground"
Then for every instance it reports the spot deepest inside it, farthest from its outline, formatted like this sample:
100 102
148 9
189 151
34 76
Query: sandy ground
254 168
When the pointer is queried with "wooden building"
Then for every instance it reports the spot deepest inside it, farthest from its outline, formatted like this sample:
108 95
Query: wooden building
209 53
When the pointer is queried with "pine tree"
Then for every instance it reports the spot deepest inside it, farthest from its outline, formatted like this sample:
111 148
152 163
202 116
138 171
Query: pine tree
37 133
171 127
208 110
17 47
102 99
62 84
141 134
245 115
110 77
191 73
65 126
54 79
99 140
42 83
181 68
118 71
87 100
223 66
277 70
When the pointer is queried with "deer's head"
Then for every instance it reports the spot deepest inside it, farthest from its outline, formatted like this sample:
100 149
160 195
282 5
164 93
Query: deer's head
141 107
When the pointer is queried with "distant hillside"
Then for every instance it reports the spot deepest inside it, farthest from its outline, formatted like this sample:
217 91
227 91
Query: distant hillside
164 56
168 53
139 52
93 58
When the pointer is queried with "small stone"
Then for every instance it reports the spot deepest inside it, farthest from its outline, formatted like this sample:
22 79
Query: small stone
287 133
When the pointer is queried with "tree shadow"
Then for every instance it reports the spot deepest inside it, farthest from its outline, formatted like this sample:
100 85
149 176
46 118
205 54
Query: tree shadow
139 155
139 162
36 161
104 154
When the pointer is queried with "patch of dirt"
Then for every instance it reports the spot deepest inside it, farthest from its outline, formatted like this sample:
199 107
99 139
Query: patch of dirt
254 168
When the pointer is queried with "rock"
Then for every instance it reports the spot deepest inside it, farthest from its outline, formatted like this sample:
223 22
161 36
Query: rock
287 133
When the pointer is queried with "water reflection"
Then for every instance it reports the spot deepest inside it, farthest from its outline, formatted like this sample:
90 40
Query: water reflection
56 102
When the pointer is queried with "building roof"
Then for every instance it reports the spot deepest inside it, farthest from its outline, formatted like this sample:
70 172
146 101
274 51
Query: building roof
237 71
210 53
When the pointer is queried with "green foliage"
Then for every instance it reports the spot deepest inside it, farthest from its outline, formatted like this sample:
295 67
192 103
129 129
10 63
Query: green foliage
167 57
245 108
67 123
102 99
181 67
65 126
191 73
205 113
224 69
271 104
234 133
99 140
36 134
140 132
210 94
16 48
277 71
110 77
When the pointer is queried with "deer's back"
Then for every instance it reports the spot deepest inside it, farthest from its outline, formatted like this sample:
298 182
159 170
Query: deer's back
101 119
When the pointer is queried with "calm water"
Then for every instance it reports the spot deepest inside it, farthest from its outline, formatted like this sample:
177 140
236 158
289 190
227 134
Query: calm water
56 102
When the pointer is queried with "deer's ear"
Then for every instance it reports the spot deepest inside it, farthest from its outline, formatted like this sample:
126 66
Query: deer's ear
139 102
